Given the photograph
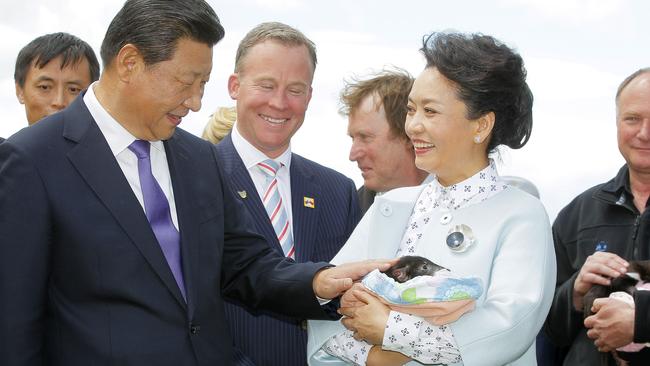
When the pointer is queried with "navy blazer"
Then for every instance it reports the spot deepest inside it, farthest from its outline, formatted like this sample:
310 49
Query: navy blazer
83 280
266 338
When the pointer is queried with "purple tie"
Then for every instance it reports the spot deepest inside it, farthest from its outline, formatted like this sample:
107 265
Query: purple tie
158 213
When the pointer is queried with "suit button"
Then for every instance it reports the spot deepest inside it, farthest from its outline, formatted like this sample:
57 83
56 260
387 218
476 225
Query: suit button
386 209
195 329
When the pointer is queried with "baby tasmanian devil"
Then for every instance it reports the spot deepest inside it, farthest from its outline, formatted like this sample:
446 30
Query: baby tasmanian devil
410 266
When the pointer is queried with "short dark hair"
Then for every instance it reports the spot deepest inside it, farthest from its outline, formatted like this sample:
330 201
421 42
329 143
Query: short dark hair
45 48
275 31
490 77
155 26
629 80
392 87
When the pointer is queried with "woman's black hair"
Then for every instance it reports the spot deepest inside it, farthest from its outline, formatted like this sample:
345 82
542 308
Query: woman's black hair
490 77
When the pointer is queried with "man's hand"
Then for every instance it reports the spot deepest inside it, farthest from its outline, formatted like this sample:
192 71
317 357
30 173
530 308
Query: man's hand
333 281
368 322
598 269
612 325
349 300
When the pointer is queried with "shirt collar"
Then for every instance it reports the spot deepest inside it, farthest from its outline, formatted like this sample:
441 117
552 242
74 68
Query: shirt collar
116 135
251 156
474 189
620 183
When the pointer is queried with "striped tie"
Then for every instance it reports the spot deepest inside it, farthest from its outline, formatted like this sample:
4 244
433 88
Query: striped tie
273 204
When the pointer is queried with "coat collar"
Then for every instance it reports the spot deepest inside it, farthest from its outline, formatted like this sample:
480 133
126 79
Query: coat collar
617 191
94 161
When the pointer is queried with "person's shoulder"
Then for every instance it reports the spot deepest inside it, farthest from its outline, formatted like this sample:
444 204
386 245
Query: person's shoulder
403 194
519 195
191 141
583 201
515 205
40 137
196 149
311 167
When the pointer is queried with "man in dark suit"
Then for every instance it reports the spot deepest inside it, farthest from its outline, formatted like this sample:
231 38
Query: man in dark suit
376 111
318 207
120 237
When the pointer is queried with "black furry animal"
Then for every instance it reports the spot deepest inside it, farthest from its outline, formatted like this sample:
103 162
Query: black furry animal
410 266
625 283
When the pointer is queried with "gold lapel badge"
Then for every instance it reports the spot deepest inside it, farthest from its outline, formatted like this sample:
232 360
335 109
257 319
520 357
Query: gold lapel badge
308 202
242 194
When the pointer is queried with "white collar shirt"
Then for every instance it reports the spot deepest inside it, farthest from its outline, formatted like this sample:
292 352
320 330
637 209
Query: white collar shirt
435 197
119 139
251 156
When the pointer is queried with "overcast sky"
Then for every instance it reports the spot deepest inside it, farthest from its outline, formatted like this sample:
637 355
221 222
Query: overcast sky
576 53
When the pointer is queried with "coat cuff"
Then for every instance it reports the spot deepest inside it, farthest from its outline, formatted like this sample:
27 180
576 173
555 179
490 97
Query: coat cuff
641 316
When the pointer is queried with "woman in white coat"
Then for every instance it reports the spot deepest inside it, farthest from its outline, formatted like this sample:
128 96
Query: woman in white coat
471 98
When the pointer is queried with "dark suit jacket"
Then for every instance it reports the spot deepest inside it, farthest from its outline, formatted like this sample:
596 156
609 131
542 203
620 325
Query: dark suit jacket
83 280
1 140
266 338
366 198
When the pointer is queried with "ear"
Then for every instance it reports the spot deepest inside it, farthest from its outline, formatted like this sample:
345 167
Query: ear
128 62
20 94
233 85
484 125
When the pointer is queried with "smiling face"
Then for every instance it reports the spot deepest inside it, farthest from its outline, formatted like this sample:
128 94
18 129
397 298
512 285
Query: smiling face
159 95
633 124
442 136
272 90
385 160
51 88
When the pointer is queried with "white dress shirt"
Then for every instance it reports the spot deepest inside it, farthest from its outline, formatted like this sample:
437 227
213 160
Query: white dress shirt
119 139
250 155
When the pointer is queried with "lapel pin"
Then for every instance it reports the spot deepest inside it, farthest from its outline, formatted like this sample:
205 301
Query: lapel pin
242 194
308 202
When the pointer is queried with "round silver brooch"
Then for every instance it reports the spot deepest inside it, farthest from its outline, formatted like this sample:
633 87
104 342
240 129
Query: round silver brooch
460 238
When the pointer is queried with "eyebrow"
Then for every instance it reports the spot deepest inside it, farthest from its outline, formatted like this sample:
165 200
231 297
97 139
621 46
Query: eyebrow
44 78
425 100
273 80
47 78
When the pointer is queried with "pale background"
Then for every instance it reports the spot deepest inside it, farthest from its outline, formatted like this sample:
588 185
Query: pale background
576 52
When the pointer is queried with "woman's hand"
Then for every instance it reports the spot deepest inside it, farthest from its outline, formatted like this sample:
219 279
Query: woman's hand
367 319
380 357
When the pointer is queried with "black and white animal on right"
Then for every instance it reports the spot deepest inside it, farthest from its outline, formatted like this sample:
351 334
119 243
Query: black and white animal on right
638 272
410 266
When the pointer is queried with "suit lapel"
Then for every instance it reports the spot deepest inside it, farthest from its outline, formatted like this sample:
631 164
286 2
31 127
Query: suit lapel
244 189
181 167
304 191
95 162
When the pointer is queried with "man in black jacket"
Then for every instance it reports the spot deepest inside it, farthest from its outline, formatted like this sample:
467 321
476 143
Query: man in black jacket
595 236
